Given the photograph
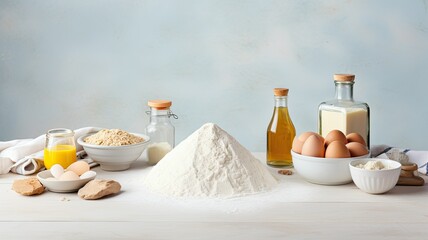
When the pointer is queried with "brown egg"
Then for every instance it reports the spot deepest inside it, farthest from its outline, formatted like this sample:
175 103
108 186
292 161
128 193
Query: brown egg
79 167
357 149
322 139
355 137
337 149
297 145
313 147
335 135
69 176
305 136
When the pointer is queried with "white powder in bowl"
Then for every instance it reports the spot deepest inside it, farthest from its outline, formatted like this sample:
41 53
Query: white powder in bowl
209 163
372 165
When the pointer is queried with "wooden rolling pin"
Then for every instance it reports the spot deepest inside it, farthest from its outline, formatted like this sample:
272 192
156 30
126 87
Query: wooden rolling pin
409 176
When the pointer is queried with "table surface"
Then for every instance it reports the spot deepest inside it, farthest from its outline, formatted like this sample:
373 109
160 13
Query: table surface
296 209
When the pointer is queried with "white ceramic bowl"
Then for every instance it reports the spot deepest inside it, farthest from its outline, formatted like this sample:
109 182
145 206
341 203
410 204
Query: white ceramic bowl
375 181
115 158
324 171
61 186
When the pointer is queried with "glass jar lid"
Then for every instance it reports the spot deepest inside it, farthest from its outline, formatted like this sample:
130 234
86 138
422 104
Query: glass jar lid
159 104
344 77
280 91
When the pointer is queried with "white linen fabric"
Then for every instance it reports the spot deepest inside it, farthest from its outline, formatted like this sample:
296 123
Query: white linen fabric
402 155
25 156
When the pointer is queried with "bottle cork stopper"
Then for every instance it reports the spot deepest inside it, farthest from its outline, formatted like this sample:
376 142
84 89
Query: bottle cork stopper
344 77
280 91
159 104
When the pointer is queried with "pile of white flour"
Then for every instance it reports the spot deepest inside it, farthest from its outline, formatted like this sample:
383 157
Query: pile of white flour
209 163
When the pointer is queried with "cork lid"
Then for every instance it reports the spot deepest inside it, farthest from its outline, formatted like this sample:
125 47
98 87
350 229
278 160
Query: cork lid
344 77
280 91
159 104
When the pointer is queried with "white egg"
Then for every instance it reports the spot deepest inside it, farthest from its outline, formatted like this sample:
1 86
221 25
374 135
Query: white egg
57 170
88 174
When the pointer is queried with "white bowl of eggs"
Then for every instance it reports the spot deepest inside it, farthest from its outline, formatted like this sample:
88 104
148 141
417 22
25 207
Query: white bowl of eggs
326 161
71 179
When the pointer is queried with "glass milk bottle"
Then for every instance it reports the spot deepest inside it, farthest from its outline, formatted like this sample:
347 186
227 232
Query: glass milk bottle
280 132
344 113
160 130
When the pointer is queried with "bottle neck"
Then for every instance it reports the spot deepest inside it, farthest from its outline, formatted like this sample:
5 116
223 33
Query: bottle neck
160 115
280 101
344 90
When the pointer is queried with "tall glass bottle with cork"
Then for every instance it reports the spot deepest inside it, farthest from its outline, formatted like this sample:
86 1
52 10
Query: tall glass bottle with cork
160 130
280 132
344 113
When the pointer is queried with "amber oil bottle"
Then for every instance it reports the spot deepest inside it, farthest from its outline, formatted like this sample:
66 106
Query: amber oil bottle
280 132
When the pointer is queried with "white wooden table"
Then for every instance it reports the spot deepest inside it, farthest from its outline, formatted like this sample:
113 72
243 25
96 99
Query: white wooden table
295 210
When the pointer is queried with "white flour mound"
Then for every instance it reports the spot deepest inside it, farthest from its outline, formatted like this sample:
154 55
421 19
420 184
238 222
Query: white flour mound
209 163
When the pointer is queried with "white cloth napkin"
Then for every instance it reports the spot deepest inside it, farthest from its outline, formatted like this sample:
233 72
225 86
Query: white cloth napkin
405 155
25 156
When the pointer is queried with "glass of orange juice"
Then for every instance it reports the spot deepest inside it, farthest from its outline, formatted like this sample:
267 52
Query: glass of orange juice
60 148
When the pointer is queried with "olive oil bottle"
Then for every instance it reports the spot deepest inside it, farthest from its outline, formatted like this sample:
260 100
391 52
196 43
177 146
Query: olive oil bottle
280 132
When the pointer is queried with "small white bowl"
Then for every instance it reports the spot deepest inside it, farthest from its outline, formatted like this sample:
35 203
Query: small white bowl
324 171
115 158
61 186
375 181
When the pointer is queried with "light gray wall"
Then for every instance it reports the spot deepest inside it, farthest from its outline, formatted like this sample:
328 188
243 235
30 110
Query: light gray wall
96 63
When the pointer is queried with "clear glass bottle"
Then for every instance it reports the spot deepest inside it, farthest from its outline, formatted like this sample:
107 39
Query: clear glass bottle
344 113
280 132
160 130
60 148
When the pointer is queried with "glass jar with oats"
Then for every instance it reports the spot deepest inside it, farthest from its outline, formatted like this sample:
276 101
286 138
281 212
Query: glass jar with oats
160 130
